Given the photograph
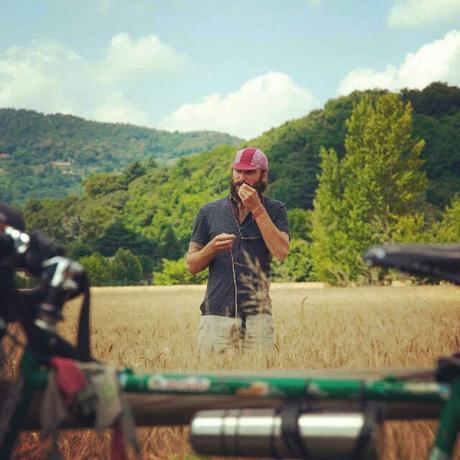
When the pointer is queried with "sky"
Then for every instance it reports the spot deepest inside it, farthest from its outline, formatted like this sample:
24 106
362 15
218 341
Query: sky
235 66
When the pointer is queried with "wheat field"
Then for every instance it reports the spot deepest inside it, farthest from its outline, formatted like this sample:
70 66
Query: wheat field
147 328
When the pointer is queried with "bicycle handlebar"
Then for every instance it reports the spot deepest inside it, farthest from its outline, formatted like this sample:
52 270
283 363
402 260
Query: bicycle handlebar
440 261
61 279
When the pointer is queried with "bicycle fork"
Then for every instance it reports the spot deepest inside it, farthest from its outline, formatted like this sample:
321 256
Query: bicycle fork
449 424
16 405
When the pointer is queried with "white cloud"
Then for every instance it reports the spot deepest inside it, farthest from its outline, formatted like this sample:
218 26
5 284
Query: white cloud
127 58
419 13
49 77
115 109
37 76
260 104
435 61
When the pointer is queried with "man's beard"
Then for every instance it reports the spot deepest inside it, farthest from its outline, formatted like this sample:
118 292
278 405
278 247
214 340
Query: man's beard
260 186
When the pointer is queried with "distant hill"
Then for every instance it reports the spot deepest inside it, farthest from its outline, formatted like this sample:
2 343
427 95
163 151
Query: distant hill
48 155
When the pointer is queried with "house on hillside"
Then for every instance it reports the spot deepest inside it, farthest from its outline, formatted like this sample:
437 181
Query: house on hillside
65 167
60 164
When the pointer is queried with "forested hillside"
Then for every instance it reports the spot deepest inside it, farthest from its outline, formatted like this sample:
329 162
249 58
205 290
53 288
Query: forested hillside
294 147
49 155
149 209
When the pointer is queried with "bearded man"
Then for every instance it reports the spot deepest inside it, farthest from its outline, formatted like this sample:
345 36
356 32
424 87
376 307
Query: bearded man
236 237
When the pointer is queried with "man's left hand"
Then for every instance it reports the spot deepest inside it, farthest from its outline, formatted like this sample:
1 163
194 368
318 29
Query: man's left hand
249 197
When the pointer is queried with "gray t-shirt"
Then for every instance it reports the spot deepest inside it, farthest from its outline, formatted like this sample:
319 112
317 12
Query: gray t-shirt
246 269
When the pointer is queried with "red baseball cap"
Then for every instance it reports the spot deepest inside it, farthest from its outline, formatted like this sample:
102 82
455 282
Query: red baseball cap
250 158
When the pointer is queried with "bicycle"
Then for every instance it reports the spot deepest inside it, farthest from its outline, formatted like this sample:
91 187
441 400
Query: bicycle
257 415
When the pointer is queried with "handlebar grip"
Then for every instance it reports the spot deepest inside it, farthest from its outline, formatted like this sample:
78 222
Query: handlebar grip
6 246
437 260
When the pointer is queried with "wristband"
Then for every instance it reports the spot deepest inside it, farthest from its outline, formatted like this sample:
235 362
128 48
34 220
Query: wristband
258 211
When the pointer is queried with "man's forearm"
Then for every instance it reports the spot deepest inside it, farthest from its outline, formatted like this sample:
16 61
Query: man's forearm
198 260
277 241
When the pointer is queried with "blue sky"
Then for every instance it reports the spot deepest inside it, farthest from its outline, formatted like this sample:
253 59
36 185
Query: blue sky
237 66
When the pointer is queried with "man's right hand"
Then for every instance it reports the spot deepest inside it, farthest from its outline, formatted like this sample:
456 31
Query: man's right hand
222 242
199 257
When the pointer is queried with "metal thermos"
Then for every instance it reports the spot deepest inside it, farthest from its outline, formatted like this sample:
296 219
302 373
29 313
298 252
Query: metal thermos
259 433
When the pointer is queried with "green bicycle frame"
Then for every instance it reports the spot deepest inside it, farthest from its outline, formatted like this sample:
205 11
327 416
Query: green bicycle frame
388 389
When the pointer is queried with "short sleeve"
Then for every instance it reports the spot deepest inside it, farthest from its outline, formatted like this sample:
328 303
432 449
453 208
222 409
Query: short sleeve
281 219
200 232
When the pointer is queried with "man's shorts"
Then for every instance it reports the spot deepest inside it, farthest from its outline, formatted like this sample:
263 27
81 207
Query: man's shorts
221 333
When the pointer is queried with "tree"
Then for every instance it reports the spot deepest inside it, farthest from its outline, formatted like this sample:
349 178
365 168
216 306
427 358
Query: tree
134 171
126 268
79 249
104 184
367 197
448 230
329 240
116 236
95 218
300 224
6 194
297 267
170 246
437 99
97 269
175 272
58 219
